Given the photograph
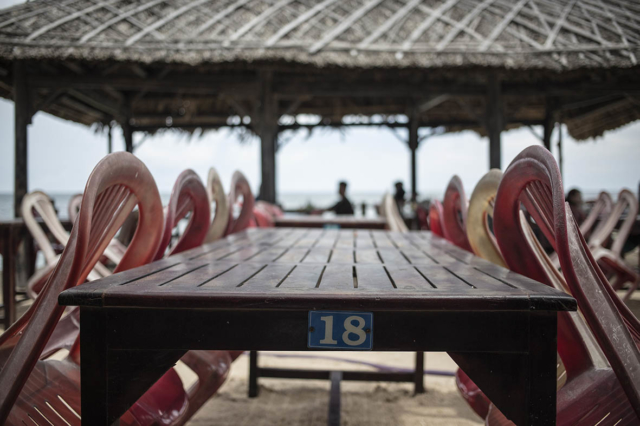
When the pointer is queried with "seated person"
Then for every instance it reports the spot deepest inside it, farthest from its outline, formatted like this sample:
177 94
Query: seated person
344 206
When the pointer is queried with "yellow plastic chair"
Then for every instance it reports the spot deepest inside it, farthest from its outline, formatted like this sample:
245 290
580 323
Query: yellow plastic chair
479 233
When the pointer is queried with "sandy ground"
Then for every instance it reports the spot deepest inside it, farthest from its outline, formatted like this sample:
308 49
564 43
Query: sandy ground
305 402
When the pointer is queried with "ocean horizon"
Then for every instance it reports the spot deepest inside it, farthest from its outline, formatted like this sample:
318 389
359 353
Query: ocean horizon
289 200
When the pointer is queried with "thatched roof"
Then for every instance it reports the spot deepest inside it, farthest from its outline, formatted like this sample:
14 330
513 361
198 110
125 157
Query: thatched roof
558 35
96 48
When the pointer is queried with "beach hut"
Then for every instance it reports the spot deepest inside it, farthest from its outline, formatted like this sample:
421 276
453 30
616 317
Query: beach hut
262 64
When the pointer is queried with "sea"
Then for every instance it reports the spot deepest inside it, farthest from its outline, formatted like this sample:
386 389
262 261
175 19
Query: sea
288 200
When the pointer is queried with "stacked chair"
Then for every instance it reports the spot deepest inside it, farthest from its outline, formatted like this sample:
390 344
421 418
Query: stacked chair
389 210
36 388
599 357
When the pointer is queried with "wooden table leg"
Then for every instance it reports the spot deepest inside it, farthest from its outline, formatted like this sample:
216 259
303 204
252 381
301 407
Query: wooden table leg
521 385
253 374
112 380
8 279
334 399
419 374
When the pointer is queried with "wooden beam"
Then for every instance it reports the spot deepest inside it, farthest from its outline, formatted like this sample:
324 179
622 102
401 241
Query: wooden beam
265 123
22 115
414 122
549 122
127 132
494 120
560 156
109 140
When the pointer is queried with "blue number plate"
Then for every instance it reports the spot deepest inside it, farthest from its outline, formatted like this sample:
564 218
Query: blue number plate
340 330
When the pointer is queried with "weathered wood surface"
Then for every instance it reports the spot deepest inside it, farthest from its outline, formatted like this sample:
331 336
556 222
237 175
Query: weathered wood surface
308 268
317 221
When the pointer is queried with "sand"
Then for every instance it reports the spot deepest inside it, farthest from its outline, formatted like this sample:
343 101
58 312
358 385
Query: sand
305 402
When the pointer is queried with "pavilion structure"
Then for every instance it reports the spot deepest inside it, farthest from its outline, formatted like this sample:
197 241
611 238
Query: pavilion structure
450 65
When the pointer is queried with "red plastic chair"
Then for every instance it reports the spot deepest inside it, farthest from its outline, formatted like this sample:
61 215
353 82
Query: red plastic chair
263 215
611 259
216 194
187 196
41 391
240 186
454 219
435 218
596 391
601 209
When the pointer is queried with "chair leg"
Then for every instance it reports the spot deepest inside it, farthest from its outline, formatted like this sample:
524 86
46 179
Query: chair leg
253 374
418 378
334 399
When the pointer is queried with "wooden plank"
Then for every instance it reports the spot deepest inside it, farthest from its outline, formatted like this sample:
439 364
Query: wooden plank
234 277
338 277
367 256
342 256
269 255
293 255
407 278
392 257
318 255
373 278
269 278
198 277
303 277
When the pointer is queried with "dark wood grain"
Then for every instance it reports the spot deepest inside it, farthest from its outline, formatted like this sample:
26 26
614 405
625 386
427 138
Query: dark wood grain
297 268
344 222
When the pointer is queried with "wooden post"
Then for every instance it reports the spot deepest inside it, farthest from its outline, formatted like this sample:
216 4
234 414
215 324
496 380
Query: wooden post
549 123
560 159
22 114
109 140
413 146
127 131
494 120
266 120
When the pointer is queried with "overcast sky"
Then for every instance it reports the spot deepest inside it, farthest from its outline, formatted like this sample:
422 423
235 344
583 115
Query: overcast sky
62 154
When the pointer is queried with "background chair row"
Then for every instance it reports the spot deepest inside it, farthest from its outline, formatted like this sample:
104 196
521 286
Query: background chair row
598 377
40 384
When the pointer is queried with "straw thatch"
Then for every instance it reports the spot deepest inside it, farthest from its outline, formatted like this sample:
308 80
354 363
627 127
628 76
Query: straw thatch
195 63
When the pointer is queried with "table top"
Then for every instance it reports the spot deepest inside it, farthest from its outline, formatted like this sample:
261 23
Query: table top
322 269
344 221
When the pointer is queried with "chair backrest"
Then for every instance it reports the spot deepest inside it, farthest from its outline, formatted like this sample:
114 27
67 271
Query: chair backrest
435 218
479 232
74 206
454 219
216 194
626 202
601 209
262 213
395 222
117 184
187 196
38 201
533 179
240 186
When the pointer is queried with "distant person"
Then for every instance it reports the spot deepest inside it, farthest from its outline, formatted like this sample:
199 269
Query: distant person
399 196
344 206
574 198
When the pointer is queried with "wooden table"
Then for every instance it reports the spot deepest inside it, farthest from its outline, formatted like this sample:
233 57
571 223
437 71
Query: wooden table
318 221
258 290
12 232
